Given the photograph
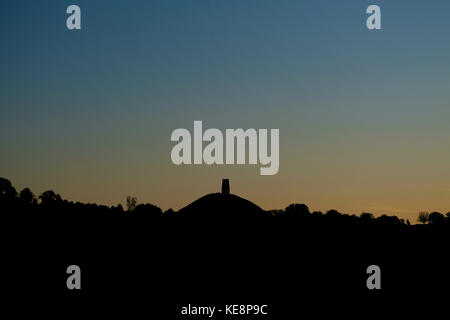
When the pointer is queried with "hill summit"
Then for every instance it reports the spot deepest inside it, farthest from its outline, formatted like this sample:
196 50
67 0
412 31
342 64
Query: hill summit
221 205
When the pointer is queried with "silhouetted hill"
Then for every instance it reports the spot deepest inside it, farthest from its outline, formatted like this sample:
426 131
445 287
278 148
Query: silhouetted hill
221 206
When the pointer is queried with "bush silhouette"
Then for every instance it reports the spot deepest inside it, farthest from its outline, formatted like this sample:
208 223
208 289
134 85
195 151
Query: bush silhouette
148 210
297 210
436 217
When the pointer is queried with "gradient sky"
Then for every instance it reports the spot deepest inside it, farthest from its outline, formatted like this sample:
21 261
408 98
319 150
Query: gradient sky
363 115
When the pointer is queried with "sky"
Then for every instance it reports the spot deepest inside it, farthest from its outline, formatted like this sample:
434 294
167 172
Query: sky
363 115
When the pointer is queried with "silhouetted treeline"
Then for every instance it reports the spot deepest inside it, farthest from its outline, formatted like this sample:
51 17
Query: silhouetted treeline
49 203
301 211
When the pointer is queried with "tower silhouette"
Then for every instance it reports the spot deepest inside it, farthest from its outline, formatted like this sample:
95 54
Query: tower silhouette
225 186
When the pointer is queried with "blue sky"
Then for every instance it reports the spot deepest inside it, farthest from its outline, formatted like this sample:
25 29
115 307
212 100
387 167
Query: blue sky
363 115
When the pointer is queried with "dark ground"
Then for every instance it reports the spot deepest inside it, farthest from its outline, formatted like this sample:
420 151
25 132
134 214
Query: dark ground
153 266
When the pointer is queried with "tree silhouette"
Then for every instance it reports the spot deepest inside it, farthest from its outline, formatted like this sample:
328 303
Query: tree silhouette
275 212
50 198
366 217
26 196
385 219
7 191
332 213
169 211
423 217
131 203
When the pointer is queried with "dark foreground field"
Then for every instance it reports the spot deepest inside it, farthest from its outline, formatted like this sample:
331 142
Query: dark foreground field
157 265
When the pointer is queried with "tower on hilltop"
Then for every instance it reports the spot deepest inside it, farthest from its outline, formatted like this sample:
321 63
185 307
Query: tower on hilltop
225 186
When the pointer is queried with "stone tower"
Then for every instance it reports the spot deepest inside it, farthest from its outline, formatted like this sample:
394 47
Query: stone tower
225 186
